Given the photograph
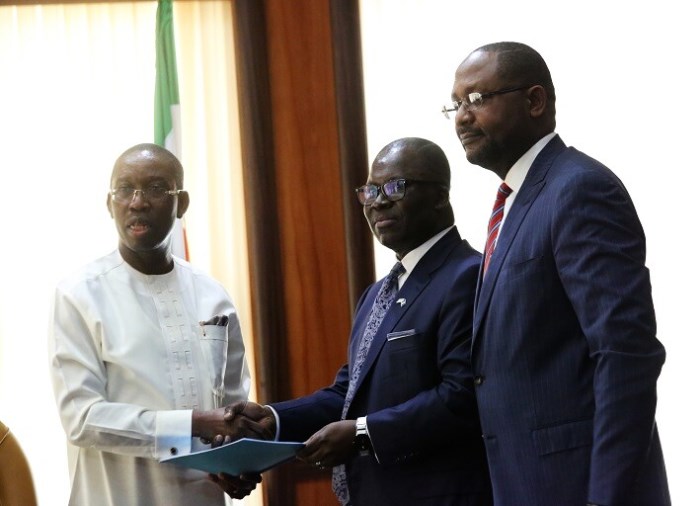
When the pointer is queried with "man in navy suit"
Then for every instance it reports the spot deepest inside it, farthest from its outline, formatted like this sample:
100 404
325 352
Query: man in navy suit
564 353
409 435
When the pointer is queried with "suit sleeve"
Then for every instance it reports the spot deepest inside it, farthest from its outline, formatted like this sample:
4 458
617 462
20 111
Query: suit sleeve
300 418
446 413
599 250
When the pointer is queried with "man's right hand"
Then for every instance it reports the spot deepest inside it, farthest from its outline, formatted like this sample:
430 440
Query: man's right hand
247 416
225 425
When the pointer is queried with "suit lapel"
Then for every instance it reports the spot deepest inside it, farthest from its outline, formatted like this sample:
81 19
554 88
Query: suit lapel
533 184
410 291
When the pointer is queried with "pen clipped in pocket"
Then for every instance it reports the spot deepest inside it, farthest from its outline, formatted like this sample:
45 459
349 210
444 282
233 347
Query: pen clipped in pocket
213 340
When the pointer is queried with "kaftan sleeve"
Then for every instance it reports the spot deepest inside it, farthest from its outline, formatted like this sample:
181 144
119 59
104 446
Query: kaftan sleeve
79 378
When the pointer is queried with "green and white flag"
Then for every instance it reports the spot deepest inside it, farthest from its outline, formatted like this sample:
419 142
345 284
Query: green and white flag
167 103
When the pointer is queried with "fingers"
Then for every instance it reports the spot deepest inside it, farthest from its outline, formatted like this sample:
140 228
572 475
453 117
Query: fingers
245 427
236 487
217 441
256 420
234 409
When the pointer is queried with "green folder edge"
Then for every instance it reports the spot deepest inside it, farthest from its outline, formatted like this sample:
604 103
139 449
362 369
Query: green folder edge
242 456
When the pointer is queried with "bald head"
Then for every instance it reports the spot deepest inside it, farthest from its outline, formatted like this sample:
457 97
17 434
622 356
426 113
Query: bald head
426 159
142 153
422 207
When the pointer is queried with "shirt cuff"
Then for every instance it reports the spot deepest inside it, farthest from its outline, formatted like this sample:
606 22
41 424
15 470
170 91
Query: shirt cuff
173 433
277 422
369 435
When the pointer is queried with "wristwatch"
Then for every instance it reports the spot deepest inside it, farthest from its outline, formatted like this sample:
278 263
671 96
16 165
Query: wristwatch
362 443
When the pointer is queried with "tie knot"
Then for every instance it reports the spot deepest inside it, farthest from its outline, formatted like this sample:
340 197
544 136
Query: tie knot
503 191
397 270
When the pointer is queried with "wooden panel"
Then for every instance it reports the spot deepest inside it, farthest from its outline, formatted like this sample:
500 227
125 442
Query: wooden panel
304 146
259 175
306 152
350 100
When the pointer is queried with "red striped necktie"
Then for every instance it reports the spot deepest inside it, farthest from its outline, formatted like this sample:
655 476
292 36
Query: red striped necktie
495 223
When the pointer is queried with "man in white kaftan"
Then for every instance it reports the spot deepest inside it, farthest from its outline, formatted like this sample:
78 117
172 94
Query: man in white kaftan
131 365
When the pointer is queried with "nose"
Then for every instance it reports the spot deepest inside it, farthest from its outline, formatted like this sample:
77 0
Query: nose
463 115
138 199
381 201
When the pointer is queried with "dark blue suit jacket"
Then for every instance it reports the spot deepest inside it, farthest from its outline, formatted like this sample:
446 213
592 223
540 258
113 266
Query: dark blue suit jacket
564 350
416 389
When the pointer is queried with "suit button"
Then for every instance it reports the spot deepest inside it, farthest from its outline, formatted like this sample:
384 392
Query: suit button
478 380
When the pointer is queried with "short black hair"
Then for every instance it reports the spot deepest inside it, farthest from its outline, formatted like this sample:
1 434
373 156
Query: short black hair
520 65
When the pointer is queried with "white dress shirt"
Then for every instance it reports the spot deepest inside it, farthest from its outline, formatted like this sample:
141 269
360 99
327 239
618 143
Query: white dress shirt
517 173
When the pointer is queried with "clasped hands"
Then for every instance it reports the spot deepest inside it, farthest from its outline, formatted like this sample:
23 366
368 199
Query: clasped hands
330 446
222 425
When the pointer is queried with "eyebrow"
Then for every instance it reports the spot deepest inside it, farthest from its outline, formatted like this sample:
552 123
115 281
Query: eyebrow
149 180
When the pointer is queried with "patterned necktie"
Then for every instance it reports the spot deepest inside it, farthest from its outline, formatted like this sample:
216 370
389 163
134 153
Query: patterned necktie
495 223
382 303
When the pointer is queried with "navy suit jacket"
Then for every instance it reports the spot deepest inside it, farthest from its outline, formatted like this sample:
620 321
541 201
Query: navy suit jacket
564 351
416 390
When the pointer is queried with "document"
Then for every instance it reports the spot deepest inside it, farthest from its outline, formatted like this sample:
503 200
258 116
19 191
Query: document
242 456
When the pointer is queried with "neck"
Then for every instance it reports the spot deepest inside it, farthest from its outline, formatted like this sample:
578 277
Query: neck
158 261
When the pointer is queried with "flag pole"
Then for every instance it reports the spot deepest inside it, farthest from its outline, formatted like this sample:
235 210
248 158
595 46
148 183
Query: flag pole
167 126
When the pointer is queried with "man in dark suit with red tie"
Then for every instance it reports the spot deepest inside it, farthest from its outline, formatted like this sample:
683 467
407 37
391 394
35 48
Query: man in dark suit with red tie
400 423
564 350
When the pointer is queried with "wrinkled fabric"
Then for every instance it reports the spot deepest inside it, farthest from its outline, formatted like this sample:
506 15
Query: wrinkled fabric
129 362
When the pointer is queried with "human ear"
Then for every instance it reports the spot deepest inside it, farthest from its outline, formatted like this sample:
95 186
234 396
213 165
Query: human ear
183 202
537 99
109 205
443 199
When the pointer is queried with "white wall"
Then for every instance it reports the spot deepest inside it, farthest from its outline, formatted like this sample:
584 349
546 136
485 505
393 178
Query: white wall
626 75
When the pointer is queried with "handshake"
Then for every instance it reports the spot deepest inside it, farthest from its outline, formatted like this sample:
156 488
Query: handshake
225 425
233 422
331 445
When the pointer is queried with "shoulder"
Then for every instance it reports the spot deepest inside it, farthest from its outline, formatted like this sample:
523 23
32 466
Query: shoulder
573 166
89 273
458 273
197 276
461 257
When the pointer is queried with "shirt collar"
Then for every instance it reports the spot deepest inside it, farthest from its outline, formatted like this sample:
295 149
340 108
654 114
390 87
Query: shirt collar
517 173
411 259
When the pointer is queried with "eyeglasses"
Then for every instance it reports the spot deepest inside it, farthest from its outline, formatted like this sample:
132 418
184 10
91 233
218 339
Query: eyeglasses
155 193
475 100
392 190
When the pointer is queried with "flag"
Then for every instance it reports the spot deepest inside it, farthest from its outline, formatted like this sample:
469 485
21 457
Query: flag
167 104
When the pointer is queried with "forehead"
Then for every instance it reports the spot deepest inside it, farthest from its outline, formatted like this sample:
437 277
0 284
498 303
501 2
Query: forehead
142 167
395 164
479 72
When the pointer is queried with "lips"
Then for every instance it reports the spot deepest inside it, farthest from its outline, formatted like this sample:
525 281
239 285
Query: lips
383 221
467 137
138 226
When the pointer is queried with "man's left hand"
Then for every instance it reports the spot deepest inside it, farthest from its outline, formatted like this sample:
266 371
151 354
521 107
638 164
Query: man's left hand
330 446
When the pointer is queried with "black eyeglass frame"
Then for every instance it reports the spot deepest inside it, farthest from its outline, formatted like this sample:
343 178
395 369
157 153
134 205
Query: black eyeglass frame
394 197
475 98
